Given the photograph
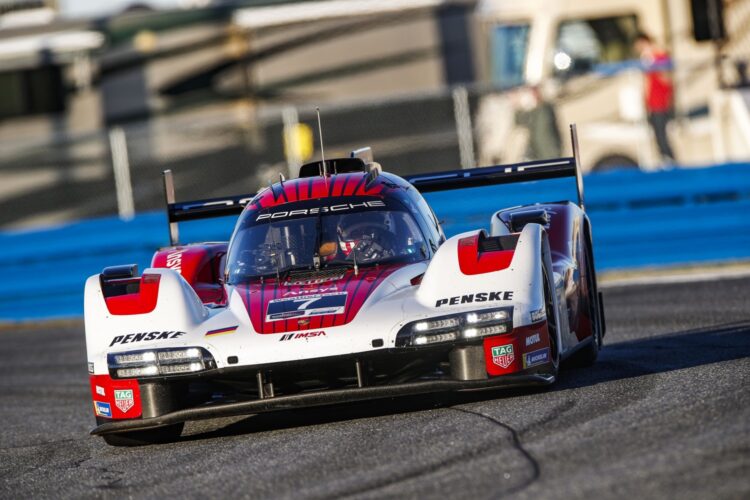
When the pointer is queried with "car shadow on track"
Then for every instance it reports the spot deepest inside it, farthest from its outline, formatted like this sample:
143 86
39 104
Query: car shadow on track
618 361
663 353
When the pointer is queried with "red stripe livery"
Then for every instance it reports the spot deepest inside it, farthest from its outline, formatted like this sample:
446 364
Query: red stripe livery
257 296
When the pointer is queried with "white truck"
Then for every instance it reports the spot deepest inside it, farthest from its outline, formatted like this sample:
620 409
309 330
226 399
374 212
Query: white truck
578 56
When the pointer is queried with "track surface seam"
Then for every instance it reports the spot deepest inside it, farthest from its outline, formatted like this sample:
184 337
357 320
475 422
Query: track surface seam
430 470
536 469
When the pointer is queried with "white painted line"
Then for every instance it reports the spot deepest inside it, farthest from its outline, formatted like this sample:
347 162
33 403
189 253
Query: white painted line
686 277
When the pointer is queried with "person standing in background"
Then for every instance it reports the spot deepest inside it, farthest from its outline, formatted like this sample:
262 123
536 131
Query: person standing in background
659 91
538 116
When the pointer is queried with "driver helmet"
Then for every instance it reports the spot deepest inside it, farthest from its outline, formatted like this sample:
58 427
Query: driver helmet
354 229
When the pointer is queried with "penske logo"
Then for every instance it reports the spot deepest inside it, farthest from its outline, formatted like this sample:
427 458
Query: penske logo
145 336
474 297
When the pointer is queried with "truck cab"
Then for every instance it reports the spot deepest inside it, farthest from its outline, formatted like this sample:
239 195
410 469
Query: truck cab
578 56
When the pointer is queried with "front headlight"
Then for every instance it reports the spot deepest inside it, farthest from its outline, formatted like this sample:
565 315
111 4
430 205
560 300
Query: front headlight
464 326
481 317
159 362
437 324
135 358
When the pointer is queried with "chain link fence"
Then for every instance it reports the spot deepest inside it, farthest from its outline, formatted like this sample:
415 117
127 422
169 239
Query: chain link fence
227 149
238 147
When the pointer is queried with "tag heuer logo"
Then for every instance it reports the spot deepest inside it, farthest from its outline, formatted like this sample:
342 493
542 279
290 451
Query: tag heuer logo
124 399
502 355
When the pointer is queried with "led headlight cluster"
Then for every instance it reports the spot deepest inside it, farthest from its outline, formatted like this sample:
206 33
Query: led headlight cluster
156 362
463 326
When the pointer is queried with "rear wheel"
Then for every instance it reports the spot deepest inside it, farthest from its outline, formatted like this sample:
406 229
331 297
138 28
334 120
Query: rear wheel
160 435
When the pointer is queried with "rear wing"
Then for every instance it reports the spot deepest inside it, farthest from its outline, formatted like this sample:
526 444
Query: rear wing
360 160
438 181
198 209
506 174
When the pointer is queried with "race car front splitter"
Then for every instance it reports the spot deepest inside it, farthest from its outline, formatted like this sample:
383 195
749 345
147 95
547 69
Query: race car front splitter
320 398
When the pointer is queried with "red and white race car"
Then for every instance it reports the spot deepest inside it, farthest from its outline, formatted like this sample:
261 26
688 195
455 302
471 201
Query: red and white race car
340 286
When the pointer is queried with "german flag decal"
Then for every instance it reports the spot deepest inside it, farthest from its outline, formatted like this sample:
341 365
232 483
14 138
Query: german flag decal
222 331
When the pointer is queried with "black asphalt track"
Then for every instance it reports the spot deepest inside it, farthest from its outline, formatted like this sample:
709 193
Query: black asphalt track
665 413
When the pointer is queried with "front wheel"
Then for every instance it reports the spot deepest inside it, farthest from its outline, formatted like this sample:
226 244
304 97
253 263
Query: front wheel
159 435
588 353
549 306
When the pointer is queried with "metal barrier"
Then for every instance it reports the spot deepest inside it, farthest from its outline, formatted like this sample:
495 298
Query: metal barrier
639 219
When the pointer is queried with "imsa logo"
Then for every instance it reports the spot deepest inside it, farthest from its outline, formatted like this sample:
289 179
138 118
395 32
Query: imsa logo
303 335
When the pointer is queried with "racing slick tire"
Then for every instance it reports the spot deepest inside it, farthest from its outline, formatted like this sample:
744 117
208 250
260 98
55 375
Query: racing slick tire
160 435
590 352
550 308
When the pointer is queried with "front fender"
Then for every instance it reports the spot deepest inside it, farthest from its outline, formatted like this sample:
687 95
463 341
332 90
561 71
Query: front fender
177 309
448 284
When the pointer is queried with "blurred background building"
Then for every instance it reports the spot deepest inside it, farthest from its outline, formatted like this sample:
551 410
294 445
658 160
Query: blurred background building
97 98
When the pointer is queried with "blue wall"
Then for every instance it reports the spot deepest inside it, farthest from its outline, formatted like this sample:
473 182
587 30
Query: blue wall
639 219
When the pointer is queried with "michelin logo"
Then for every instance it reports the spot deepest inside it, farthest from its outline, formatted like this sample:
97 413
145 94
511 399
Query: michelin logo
103 409
536 358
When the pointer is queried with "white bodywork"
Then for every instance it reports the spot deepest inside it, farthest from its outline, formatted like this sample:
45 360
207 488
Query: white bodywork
394 303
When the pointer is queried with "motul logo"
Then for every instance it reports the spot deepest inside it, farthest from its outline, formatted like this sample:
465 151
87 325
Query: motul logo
304 335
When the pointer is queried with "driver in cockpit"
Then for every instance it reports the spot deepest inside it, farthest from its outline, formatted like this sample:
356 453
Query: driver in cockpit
366 236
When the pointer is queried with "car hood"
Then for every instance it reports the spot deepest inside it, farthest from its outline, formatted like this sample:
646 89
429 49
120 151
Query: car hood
314 300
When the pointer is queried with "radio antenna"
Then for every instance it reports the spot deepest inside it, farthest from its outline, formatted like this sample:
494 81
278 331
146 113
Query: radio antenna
322 152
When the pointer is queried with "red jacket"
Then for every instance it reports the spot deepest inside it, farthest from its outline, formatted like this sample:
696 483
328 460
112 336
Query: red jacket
659 87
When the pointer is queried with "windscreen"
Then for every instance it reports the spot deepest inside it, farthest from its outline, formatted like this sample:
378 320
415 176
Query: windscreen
509 43
308 235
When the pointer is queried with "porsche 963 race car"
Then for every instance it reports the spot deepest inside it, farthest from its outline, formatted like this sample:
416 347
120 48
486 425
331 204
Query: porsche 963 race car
340 286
